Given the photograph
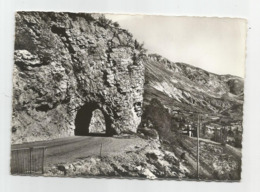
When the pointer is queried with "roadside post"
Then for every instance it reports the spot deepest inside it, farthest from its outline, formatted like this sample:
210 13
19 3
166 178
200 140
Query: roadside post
198 135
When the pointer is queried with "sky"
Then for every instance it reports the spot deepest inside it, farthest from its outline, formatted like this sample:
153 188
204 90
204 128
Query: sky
217 45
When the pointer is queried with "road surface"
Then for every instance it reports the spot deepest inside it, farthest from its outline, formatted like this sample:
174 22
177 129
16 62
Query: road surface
69 149
228 148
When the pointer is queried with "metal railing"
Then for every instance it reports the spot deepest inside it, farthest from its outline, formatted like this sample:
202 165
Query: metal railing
28 161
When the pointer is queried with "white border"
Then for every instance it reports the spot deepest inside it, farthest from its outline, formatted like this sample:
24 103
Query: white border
221 8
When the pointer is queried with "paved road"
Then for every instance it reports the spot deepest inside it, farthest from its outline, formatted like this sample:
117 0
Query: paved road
72 148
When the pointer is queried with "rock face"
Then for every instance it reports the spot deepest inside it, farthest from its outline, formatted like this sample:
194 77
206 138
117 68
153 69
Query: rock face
68 65
97 123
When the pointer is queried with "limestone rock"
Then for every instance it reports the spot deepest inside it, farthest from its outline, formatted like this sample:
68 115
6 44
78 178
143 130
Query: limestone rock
65 62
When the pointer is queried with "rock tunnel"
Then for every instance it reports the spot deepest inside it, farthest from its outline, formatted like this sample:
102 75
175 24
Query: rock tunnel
76 68
92 121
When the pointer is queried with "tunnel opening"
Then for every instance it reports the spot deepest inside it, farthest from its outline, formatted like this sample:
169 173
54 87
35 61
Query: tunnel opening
92 121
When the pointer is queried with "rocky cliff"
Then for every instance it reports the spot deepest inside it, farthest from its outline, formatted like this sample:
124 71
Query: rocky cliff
68 65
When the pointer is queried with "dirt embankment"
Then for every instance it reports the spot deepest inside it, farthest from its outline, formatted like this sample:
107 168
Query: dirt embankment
217 162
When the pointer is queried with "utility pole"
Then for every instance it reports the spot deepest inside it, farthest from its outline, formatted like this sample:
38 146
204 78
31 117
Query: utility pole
43 153
31 160
198 152
100 150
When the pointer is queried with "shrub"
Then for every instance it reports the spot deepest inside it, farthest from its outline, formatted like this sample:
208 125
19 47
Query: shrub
116 24
104 22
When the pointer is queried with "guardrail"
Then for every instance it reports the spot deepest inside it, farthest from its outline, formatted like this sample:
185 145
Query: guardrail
28 161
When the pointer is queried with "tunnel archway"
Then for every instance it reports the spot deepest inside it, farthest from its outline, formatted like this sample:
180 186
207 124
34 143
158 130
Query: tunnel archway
83 119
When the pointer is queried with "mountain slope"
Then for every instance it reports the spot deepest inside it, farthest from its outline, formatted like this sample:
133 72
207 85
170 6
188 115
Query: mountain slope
182 87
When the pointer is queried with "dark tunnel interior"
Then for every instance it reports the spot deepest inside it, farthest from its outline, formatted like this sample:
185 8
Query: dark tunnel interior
83 119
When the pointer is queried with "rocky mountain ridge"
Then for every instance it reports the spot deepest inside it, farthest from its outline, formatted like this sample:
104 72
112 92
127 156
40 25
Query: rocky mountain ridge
182 87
